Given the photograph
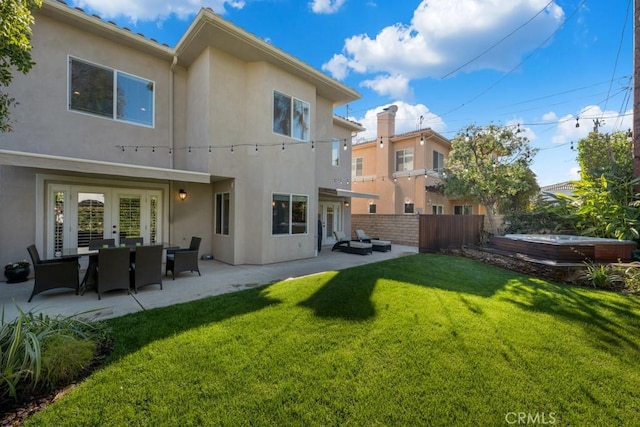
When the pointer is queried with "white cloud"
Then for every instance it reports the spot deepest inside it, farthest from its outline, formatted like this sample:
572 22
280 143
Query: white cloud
393 86
151 10
444 35
407 120
610 121
326 6
550 117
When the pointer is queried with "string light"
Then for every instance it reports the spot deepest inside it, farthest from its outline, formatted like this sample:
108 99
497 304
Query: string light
421 138
381 143
345 145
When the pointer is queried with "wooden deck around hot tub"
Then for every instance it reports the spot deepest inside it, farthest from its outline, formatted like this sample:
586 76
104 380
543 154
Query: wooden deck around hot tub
577 252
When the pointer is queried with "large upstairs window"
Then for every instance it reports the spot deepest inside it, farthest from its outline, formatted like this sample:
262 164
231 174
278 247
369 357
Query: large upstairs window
104 92
404 160
291 116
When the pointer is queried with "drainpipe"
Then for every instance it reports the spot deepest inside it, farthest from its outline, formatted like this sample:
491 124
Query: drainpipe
171 112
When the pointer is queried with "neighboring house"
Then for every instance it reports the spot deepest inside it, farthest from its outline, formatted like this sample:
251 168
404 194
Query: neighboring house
111 127
404 170
565 188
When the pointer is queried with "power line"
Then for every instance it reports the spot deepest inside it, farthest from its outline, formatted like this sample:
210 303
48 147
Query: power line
498 42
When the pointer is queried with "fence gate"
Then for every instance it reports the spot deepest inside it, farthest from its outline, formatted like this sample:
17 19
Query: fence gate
446 232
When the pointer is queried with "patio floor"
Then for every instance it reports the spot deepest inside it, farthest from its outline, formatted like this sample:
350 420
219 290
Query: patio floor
217 278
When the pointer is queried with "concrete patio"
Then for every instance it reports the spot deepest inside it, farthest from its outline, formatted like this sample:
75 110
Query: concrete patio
217 278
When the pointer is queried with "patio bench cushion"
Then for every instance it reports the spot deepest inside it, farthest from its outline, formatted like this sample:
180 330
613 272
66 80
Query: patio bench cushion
361 248
381 245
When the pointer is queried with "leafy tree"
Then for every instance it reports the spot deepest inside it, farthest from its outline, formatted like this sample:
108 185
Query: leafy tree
15 48
488 165
610 155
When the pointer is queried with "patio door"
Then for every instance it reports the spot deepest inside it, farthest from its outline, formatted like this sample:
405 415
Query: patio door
330 213
78 214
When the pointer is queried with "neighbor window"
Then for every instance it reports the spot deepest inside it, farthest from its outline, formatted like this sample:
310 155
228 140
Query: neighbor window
104 92
291 116
289 214
372 208
437 209
463 210
335 152
356 166
222 214
408 208
404 160
438 161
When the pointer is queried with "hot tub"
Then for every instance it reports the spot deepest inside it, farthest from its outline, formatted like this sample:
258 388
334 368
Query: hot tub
565 248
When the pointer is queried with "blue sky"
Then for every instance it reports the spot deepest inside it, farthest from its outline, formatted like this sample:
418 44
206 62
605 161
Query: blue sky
537 63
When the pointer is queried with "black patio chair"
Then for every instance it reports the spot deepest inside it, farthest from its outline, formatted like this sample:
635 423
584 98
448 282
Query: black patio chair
113 270
89 278
147 267
53 273
179 260
131 241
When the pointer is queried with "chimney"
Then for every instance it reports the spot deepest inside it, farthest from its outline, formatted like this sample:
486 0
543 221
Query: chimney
387 122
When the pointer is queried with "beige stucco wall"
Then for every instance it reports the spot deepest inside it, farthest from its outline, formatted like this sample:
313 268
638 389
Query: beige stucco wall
42 97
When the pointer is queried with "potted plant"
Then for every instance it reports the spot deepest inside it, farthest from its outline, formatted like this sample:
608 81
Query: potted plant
17 272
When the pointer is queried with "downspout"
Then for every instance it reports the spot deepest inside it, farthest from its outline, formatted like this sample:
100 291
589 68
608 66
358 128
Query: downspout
171 143
171 111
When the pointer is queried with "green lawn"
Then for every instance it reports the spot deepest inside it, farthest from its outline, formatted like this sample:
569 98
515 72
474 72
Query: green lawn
420 340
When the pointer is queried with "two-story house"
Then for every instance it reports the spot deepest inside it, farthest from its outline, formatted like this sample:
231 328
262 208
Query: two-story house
223 136
404 170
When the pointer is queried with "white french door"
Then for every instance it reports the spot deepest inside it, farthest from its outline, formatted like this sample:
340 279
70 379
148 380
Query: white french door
78 214
330 213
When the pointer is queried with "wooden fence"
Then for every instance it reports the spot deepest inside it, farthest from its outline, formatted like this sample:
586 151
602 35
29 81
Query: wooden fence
446 232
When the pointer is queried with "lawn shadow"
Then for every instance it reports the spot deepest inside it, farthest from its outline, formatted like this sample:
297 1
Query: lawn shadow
346 296
136 330
611 314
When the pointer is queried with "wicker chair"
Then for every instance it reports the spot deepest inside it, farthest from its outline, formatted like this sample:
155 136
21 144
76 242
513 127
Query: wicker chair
113 270
147 267
179 260
53 273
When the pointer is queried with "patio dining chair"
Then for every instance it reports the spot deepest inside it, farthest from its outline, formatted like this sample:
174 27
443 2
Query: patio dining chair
179 260
131 241
147 267
113 270
90 275
53 273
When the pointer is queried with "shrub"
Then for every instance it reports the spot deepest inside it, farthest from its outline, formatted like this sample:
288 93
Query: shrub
31 344
63 357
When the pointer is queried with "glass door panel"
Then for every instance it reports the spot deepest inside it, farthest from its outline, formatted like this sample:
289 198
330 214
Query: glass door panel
129 216
91 218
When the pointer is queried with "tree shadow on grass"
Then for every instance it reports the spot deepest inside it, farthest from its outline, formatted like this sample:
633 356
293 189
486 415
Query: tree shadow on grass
136 330
614 317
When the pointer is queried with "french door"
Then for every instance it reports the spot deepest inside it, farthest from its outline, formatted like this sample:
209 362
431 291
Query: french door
330 215
78 214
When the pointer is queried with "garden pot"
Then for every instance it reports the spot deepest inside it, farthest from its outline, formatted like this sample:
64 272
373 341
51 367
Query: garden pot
17 274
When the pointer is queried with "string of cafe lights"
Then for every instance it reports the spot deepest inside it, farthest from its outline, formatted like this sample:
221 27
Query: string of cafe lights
232 147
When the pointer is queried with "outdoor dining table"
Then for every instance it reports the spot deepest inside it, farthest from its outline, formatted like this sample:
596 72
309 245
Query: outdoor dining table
86 252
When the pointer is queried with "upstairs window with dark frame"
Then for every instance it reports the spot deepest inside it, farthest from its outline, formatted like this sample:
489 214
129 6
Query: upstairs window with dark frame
404 160
104 92
372 208
408 207
291 116
438 161
222 213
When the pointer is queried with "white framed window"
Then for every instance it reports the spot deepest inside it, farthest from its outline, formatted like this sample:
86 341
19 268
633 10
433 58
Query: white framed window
463 210
105 92
438 161
222 213
404 160
335 152
356 166
291 116
437 209
289 214
372 208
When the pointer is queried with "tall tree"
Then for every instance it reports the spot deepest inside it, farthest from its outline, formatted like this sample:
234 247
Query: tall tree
15 48
488 165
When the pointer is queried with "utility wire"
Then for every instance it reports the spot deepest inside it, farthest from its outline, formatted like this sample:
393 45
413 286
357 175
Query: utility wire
615 67
498 42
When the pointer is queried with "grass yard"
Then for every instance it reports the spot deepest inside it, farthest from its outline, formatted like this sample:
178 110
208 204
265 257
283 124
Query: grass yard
419 340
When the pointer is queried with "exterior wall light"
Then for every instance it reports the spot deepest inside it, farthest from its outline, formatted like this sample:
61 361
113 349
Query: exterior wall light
182 194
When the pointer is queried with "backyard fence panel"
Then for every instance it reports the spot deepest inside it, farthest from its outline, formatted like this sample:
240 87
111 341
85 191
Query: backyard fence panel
447 232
